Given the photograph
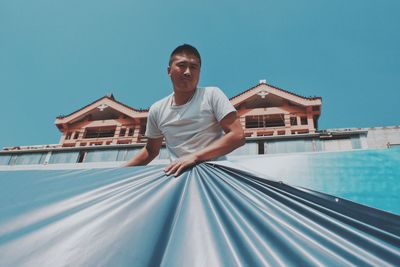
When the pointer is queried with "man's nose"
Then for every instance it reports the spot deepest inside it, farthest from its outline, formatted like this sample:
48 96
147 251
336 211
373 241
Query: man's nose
187 72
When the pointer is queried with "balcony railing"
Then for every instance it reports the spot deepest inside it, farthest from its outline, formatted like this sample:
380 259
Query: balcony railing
136 138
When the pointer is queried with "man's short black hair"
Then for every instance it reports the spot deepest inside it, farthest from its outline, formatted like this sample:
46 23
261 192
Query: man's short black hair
185 48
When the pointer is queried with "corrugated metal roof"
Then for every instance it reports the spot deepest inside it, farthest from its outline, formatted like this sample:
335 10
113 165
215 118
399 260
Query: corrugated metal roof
209 216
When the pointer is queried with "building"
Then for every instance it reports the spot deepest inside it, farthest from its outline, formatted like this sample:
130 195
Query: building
274 120
264 110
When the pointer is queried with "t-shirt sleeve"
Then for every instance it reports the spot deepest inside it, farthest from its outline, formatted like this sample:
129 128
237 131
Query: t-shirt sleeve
152 129
221 104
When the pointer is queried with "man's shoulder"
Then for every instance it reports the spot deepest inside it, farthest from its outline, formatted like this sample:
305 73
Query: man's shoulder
161 103
211 91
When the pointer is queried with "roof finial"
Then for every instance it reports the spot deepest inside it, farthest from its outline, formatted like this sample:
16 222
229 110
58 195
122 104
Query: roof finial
262 81
110 95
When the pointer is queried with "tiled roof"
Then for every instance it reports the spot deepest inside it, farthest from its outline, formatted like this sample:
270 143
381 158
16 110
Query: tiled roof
111 97
308 98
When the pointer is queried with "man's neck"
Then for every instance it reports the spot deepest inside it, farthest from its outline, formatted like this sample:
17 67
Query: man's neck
181 98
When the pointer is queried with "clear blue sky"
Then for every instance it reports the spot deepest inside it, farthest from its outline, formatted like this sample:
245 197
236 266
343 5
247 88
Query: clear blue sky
57 56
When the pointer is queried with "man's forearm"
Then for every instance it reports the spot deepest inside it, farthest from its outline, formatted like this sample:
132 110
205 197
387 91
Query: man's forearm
226 144
144 157
147 153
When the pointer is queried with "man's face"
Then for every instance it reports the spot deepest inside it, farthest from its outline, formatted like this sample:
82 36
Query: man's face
184 72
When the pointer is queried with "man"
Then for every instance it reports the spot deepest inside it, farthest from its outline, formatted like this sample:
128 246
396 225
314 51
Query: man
191 119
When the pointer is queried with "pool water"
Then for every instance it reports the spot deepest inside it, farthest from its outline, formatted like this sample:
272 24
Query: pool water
369 177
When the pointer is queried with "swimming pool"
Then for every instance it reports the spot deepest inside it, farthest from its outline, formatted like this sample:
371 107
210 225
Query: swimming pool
369 177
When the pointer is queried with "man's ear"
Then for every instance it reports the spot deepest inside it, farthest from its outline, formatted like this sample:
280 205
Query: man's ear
169 70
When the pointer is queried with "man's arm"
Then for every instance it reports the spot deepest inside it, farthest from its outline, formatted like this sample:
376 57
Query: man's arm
147 153
233 138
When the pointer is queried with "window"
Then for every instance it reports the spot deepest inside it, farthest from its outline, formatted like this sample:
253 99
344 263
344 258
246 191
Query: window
122 154
252 122
274 120
101 155
289 146
262 121
99 132
76 135
338 144
30 158
130 132
318 145
303 120
122 132
5 159
355 142
64 157
293 121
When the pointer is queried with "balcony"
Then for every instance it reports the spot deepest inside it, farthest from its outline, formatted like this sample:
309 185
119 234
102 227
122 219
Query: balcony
274 125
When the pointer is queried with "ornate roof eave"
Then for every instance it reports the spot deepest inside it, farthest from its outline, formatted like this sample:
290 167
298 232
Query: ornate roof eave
264 87
107 100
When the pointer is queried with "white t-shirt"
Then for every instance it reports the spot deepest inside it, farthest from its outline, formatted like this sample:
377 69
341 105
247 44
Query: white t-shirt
190 127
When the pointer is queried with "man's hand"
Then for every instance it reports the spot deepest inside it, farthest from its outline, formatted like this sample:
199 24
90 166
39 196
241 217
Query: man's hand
233 138
181 164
